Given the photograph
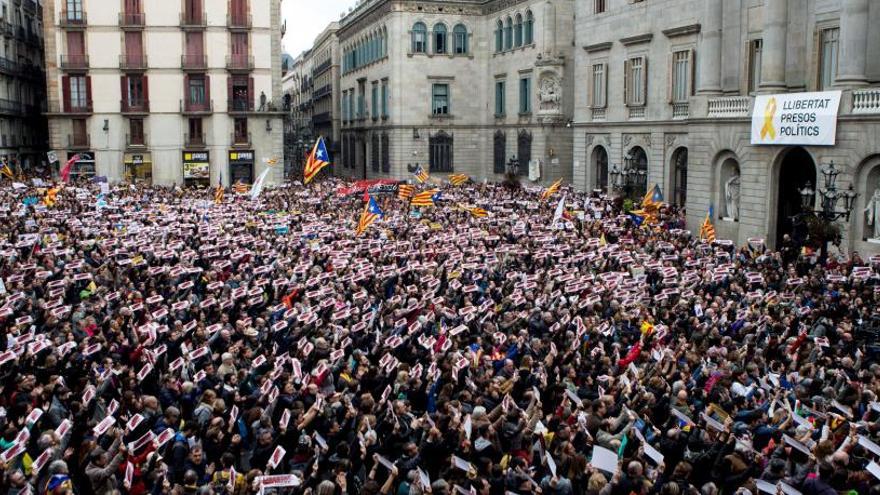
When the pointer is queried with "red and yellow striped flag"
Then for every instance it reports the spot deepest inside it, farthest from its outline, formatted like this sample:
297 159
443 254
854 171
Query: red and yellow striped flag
241 188
405 191
426 198
550 191
458 179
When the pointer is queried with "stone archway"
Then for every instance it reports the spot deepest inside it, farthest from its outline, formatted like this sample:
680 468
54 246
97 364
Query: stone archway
796 170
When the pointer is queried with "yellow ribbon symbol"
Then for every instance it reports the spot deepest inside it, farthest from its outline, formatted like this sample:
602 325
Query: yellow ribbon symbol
769 113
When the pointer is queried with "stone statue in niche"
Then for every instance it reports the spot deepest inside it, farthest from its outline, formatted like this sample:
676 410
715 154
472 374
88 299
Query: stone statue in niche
731 197
549 93
872 212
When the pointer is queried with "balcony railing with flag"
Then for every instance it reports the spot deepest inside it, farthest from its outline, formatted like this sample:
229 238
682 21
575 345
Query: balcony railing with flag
193 20
193 61
135 20
194 140
240 62
78 141
196 107
136 106
73 20
136 140
239 21
74 62
133 62
240 139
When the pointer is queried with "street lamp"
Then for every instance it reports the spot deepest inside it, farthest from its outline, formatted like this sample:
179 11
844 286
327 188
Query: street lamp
828 211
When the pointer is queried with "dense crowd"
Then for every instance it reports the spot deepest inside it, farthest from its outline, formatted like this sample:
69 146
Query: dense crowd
159 342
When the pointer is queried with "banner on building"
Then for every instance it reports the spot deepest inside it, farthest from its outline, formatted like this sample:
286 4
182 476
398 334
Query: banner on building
796 118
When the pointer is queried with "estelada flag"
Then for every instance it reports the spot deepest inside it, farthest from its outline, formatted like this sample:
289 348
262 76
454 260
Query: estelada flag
317 160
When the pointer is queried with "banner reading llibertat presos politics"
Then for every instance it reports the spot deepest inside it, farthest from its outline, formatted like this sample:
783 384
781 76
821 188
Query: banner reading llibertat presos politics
796 118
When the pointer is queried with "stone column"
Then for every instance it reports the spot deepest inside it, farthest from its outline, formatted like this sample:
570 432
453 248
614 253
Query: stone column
773 51
852 60
710 49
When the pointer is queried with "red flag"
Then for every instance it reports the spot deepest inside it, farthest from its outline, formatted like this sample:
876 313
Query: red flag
65 171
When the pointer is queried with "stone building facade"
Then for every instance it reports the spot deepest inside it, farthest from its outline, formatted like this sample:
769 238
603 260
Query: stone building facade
456 86
165 91
22 85
669 86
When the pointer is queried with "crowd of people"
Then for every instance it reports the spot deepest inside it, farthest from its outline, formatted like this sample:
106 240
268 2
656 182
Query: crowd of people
158 341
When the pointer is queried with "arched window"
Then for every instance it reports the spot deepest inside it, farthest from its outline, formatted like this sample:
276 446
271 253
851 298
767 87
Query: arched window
637 161
680 171
518 31
499 36
419 38
600 164
461 36
508 34
440 38
530 28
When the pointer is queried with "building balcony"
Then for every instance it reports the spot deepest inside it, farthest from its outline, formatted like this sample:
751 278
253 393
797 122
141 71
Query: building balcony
7 28
321 68
194 141
322 118
193 21
196 108
194 62
8 67
74 62
637 113
866 101
133 62
73 108
680 110
137 141
140 107
239 22
239 105
73 20
597 114
322 91
240 140
33 38
239 63
131 21
10 107
729 107
79 141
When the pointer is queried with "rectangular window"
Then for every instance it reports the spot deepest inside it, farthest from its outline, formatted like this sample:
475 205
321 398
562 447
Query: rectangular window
74 10
385 99
599 6
440 99
361 103
680 76
80 132
635 81
599 91
374 100
136 130
79 97
755 48
828 57
197 90
134 48
525 95
195 131
135 89
345 105
241 131
499 98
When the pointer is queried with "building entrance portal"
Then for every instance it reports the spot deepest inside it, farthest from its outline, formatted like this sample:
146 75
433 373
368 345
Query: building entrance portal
795 172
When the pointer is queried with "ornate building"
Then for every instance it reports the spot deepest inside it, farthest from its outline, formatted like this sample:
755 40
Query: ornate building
456 86
668 89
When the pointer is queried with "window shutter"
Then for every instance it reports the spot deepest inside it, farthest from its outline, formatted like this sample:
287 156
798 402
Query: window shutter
123 92
229 90
644 81
627 69
207 92
670 77
146 94
591 90
746 74
604 95
65 92
89 92
692 72
251 94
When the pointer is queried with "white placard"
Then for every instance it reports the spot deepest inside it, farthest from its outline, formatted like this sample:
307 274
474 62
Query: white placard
796 118
604 459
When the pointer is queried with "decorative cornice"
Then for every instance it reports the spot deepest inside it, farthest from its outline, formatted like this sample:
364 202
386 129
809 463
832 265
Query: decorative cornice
640 38
682 30
598 47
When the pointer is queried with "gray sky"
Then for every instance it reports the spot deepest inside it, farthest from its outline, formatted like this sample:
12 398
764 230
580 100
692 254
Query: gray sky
306 19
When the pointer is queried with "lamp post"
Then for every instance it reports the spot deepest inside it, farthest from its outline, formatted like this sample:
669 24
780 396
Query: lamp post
828 212
627 179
